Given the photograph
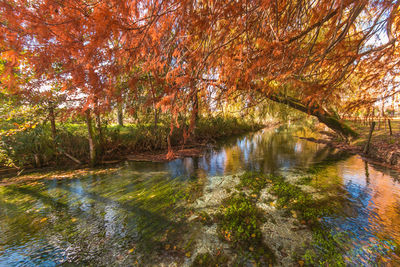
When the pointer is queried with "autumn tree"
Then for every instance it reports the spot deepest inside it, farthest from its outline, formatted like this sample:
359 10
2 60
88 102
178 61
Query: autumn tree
299 53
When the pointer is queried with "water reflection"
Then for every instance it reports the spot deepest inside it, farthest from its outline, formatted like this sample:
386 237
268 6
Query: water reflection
120 217
374 222
267 150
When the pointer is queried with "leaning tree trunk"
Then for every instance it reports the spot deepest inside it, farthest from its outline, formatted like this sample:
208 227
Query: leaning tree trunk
322 115
92 146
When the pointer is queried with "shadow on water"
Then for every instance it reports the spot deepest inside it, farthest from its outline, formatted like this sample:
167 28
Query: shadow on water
73 218
47 200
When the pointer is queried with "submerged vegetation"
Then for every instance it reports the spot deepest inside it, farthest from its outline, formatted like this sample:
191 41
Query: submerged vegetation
148 209
326 248
208 260
239 223
239 220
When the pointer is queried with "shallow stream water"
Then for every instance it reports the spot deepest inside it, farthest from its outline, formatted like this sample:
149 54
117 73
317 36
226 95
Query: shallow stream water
135 216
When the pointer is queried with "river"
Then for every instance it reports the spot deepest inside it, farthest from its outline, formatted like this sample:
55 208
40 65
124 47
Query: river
135 216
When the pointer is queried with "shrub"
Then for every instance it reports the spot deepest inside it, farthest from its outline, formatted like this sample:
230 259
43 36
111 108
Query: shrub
22 147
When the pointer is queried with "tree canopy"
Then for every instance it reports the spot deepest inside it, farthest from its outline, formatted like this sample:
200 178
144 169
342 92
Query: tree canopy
321 57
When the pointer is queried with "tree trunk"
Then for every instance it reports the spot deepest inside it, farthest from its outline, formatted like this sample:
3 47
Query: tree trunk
170 154
52 118
92 147
155 117
77 161
195 111
371 130
120 115
98 124
100 146
322 115
100 143
52 123
38 163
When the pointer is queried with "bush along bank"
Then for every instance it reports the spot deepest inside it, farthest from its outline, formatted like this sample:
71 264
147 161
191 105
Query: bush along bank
268 219
36 147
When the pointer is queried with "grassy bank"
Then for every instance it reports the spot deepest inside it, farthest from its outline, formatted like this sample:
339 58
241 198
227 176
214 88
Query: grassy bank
384 147
34 147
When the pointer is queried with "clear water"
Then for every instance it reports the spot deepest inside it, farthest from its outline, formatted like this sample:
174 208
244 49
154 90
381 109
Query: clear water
132 216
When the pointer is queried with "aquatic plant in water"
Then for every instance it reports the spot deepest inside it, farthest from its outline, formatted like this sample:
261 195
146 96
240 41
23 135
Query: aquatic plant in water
239 220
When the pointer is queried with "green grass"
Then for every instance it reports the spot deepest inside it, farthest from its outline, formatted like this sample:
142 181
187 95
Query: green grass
326 248
239 220
381 132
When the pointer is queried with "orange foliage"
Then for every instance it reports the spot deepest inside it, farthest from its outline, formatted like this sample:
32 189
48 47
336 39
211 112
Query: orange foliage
306 49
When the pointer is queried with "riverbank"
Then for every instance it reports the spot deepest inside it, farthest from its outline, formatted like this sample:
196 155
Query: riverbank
73 170
384 149
34 149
